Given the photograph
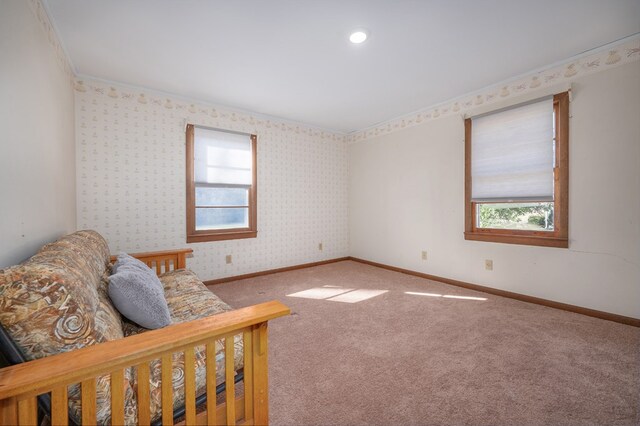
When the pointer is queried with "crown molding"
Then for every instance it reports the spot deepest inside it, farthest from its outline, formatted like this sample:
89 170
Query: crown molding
41 13
605 57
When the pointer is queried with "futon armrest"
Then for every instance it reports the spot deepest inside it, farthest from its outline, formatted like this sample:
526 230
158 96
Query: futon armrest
43 374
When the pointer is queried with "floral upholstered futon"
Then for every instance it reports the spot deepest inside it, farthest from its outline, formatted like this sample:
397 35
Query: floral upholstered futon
57 302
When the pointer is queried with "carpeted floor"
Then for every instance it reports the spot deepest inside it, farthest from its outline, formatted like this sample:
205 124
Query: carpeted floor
398 358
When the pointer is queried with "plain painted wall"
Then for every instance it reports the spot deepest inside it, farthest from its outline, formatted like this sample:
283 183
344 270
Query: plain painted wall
406 194
37 144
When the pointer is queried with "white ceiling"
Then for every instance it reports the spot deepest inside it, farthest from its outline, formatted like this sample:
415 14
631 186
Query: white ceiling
292 58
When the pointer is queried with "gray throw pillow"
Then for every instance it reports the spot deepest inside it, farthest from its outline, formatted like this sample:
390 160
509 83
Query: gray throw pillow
129 261
137 293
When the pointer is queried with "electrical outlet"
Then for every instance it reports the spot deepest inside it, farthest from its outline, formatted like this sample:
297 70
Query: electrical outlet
320 246
229 259
424 255
488 264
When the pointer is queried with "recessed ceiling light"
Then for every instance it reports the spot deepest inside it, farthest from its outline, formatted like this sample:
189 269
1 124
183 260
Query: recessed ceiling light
358 37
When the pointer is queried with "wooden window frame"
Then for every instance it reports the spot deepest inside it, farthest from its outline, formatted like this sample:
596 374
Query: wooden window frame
559 237
195 236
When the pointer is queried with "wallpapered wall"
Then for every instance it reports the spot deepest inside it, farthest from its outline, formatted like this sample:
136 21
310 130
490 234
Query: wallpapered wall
131 181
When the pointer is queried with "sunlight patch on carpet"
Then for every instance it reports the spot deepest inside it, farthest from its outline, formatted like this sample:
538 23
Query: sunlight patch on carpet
338 294
446 296
320 292
357 296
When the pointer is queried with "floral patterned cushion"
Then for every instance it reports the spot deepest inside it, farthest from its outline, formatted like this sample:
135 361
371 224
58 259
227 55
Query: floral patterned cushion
188 299
57 302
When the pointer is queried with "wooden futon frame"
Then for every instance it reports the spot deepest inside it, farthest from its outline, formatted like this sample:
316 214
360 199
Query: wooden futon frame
21 384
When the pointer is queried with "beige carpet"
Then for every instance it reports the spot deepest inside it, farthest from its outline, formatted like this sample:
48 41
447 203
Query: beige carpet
398 359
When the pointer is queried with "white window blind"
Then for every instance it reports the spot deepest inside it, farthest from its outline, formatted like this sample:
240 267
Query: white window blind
512 154
222 158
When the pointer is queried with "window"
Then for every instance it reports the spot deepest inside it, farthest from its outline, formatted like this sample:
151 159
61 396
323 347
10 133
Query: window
517 174
221 185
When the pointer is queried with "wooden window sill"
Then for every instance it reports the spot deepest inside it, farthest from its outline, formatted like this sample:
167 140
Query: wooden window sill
221 236
530 240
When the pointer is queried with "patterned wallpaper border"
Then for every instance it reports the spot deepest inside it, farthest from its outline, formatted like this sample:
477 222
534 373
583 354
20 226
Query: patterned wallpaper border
170 102
624 52
41 15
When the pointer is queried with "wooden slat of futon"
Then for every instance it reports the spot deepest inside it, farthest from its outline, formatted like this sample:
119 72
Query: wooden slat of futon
9 411
88 401
167 265
230 390
248 375
144 406
211 383
260 375
158 267
28 411
221 413
117 397
59 406
190 386
167 389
